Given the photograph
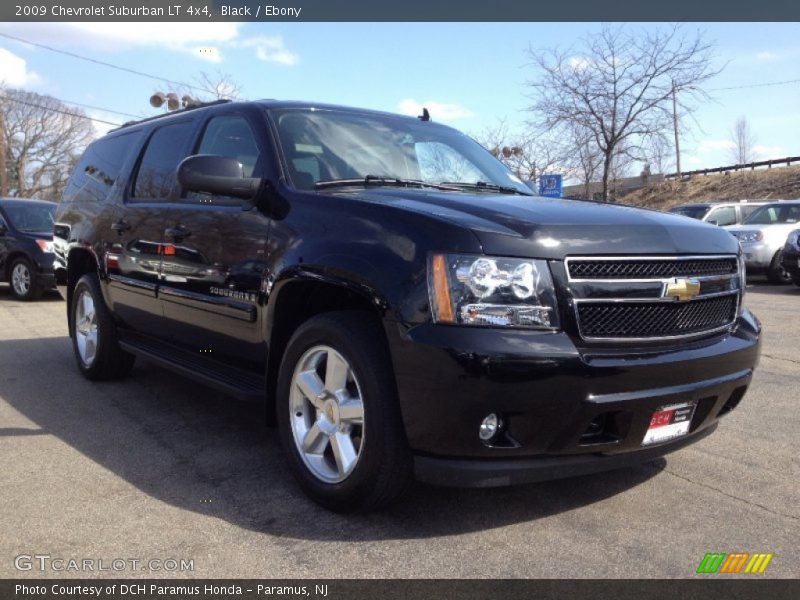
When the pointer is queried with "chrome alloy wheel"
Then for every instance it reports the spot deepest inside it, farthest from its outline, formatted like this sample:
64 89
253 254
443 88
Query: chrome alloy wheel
21 279
327 414
86 328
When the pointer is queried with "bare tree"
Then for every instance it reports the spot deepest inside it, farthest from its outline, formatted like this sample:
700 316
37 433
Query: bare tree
44 139
527 156
582 157
658 153
744 141
618 86
218 86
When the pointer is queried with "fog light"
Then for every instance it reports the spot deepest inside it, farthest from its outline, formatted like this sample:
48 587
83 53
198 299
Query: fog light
489 427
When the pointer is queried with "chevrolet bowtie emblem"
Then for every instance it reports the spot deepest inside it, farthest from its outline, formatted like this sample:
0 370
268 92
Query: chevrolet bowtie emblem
682 290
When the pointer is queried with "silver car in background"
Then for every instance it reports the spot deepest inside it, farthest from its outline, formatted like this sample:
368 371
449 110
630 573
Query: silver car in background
762 237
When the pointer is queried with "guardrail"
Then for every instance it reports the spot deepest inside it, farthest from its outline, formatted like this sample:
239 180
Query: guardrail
777 162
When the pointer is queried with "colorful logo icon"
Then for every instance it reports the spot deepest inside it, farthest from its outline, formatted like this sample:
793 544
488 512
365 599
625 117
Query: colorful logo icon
736 562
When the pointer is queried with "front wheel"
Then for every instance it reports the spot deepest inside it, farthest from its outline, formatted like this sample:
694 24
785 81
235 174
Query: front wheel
94 334
23 280
777 273
338 414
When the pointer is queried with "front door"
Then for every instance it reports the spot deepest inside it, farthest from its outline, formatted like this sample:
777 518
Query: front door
213 262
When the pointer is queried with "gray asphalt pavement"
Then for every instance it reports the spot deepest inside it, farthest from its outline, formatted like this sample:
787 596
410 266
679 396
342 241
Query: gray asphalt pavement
157 467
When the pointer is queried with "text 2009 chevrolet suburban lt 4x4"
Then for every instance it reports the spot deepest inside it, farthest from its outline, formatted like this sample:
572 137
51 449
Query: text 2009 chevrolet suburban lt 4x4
398 299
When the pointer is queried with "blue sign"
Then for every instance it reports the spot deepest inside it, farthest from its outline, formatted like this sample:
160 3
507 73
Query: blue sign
550 186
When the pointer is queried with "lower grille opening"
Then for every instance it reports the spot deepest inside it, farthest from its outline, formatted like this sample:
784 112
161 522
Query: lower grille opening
655 319
606 428
733 401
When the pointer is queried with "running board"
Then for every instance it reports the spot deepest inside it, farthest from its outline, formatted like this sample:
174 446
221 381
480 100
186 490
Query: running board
244 385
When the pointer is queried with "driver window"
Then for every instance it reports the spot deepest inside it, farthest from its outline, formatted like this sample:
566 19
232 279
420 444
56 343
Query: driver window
229 136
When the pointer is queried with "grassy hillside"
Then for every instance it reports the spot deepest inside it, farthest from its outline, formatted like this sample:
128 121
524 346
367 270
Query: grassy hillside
765 184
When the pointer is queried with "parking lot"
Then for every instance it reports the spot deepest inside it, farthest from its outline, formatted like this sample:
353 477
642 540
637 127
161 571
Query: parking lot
158 467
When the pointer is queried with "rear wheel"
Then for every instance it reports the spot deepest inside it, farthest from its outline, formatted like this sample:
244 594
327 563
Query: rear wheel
338 414
23 280
777 273
94 334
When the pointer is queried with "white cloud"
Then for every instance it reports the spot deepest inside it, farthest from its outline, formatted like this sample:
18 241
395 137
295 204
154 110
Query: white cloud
439 111
100 129
271 49
710 146
14 71
189 38
763 152
766 56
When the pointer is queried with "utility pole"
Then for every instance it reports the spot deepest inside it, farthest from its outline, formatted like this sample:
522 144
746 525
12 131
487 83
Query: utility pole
675 129
3 172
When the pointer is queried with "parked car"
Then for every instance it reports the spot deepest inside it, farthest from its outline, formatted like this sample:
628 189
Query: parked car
26 246
723 214
398 299
791 256
763 236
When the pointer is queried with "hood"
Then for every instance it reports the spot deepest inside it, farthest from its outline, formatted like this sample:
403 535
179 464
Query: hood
36 235
532 226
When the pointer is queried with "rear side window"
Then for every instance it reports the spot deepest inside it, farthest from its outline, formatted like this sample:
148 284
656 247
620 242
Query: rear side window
165 150
100 167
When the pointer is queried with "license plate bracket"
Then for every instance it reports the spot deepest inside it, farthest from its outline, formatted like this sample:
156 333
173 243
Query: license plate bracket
669 422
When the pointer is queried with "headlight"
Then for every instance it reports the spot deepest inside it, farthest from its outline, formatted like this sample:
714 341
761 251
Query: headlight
492 291
45 245
746 237
793 241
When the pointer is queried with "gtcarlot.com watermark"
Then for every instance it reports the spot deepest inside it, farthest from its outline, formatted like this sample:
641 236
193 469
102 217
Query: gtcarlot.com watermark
45 563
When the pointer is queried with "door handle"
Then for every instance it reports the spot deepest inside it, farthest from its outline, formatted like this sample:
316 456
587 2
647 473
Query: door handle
177 233
120 226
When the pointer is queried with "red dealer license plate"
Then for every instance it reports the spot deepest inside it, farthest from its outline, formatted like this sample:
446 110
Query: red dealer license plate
669 422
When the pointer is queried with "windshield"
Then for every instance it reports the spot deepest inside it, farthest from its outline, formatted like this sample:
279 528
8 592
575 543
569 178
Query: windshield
326 146
773 214
33 217
695 212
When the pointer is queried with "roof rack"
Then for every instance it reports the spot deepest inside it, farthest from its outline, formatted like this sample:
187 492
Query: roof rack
172 112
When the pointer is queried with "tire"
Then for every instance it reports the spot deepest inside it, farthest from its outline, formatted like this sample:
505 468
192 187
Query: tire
22 277
777 274
383 467
94 334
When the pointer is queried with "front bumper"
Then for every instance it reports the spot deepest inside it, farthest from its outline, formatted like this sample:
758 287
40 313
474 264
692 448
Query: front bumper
552 393
757 255
498 473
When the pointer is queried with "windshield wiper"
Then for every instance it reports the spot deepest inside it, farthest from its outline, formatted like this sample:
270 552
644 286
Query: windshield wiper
488 187
378 180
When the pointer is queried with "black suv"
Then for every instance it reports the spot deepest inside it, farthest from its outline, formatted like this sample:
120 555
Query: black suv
397 299
26 246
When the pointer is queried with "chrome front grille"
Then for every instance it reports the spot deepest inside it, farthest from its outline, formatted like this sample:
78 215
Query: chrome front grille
635 299
655 319
638 269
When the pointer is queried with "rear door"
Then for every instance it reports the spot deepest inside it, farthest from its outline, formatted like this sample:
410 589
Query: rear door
214 260
134 260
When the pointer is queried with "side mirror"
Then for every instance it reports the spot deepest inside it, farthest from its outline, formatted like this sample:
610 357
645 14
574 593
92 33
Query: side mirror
217 175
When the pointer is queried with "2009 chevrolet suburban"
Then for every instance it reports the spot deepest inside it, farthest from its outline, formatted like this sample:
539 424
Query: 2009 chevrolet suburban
398 299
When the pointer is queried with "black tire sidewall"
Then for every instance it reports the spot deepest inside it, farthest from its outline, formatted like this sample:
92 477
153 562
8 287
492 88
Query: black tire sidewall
367 357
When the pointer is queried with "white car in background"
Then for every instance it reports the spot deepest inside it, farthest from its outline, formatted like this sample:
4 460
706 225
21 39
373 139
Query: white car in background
762 237
723 214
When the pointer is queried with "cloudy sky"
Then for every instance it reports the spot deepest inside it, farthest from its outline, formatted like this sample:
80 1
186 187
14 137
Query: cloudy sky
468 75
